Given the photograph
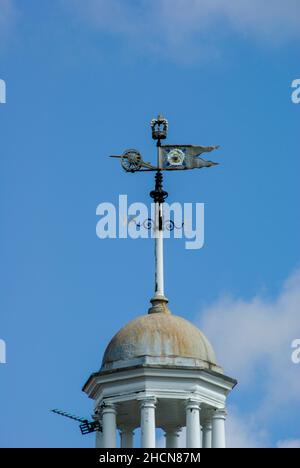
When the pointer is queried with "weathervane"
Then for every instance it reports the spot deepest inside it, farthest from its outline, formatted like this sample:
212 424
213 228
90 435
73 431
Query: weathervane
169 158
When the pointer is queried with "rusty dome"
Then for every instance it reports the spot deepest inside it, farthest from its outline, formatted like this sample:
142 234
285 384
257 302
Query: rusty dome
159 339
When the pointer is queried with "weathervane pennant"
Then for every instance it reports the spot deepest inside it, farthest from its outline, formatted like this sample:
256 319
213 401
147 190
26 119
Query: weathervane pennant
172 157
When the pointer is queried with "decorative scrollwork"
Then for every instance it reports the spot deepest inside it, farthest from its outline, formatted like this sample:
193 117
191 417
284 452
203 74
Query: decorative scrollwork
149 224
170 225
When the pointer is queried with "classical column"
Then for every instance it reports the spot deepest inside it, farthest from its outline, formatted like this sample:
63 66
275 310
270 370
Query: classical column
172 437
193 428
206 433
218 428
109 426
148 422
99 439
99 434
126 434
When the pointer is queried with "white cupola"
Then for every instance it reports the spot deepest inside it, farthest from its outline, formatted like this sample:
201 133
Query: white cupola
160 371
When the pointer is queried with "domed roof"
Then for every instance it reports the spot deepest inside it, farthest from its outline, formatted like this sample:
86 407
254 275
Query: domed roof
159 339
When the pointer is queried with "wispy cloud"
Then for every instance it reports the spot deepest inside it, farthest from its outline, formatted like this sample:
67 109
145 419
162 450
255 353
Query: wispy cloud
243 432
240 433
290 443
188 30
8 15
253 342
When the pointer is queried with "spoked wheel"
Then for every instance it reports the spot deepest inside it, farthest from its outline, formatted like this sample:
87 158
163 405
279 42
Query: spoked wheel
131 160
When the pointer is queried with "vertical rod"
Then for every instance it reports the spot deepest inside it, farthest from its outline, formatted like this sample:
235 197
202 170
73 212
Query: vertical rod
159 251
159 196
159 235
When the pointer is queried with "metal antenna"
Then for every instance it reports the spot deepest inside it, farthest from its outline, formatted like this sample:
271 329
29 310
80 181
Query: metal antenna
86 426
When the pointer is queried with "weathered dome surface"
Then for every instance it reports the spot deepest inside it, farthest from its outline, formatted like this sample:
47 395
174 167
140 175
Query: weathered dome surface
159 339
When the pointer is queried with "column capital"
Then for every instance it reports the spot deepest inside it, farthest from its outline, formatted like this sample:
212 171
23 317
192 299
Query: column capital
97 416
172 430
147 402
108 407
127 435
206 423
192 403
206 420
219 413
172 436
126 428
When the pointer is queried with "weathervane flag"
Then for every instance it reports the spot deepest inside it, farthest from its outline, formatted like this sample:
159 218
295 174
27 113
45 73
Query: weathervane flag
178 157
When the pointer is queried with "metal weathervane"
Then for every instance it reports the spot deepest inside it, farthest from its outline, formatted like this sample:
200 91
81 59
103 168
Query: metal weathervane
169 158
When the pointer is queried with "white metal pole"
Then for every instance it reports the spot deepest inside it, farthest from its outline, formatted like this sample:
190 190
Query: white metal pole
159 300
159 252
159 242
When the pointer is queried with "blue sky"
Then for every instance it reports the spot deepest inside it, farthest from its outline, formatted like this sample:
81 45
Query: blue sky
84 79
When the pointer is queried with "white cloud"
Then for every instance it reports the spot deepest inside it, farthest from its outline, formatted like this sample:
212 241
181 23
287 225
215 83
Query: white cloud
267 19
253 341
249 335
240 433
7 10
187 30
290 443
8 16
243 432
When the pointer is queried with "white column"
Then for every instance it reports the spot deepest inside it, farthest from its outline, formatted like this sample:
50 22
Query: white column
109 426
218 428
126 434
193 433
99 434
172 437
99 439
206 433
148 422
